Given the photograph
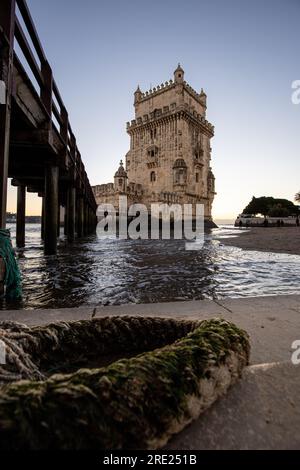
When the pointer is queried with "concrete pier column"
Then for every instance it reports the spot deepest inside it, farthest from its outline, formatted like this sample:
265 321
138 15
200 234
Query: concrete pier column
80 217
51 208
71 213
20 229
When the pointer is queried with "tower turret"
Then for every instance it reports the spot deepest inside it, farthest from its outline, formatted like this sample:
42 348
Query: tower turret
203 97
137 95
179 74
120 180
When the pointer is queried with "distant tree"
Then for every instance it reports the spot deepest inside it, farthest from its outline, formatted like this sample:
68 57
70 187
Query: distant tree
288 205
278 211
258 205
297 197
269 205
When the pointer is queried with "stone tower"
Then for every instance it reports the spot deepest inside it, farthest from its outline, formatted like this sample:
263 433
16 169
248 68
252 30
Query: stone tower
170 148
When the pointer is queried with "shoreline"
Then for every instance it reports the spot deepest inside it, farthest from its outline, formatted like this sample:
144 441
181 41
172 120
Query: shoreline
285 240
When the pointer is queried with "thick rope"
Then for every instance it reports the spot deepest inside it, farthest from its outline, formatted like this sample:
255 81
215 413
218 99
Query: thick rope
12 278
132 403
29 351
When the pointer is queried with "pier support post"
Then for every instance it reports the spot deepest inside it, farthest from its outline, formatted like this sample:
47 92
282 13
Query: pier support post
66 219
93 225
7 13
71 213
51 204
58 220
89 219
86 219
80 217
43 218
20 229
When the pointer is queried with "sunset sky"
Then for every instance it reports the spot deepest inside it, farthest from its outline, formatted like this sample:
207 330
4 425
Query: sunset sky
245 54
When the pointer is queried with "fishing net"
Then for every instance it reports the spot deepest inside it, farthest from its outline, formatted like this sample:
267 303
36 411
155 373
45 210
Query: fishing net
113 383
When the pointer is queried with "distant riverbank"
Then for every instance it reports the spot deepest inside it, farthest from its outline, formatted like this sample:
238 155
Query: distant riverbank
267 239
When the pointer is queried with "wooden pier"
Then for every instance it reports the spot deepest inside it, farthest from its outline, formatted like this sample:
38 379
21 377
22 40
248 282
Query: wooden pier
38 148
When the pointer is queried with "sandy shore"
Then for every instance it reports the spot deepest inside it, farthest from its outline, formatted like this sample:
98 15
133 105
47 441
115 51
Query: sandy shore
270 239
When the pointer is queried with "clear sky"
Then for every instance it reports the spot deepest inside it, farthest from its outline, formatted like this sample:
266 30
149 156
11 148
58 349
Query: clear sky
245 54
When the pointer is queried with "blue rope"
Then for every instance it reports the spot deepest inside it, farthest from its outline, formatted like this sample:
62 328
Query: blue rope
12 278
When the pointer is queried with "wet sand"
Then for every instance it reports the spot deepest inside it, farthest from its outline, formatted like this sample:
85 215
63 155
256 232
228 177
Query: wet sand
268 239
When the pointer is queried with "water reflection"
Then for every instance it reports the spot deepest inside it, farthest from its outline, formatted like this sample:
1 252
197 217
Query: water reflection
93 272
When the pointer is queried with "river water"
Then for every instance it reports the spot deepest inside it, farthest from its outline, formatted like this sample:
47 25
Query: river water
107 272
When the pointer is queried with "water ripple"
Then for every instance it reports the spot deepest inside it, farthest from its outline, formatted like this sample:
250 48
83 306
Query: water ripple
107 272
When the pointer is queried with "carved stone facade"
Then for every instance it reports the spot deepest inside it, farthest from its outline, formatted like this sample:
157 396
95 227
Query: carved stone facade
170 151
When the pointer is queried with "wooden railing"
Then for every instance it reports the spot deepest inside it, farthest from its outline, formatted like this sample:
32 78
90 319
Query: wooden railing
49 93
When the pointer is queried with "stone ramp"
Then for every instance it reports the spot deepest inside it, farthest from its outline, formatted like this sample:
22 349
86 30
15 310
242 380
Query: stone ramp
261 411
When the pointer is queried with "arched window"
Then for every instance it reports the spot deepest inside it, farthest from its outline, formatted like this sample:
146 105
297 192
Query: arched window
120 182
180 171
180 176
152 176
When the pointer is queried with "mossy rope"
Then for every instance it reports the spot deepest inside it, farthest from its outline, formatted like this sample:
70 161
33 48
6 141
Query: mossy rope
12 278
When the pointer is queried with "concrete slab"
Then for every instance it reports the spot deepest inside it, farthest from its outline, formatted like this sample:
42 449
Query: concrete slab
262 411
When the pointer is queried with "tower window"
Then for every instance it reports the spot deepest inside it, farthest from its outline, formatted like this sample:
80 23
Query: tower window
120 182
153 133
152 151
197 177
152 176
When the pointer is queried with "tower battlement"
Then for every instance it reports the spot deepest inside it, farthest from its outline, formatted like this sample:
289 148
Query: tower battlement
168 85
166 112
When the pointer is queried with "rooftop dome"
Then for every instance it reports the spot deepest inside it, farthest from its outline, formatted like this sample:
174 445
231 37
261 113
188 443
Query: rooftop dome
179 163
121 171
179 68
